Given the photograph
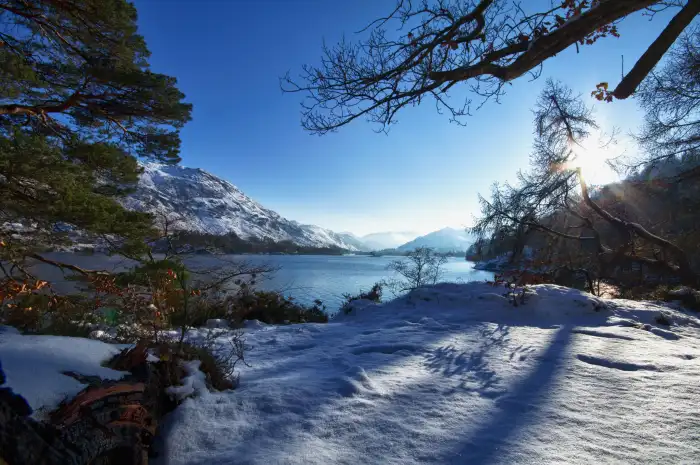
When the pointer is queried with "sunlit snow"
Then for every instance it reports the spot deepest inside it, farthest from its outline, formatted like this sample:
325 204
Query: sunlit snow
450 374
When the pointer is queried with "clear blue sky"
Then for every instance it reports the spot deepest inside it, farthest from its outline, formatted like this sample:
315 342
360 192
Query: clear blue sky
425 174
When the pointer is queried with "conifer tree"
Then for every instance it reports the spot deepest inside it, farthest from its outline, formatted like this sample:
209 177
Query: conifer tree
78 106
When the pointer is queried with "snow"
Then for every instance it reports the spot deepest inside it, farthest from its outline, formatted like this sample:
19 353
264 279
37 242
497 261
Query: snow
448 374
443 240
194 383
34 365
388 240
444 375
202 202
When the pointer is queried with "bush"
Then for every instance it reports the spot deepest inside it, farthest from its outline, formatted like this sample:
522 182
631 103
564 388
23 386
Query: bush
151 272
644 292
689 298
274 308
421 267
218 361
515 282
374 294
33 307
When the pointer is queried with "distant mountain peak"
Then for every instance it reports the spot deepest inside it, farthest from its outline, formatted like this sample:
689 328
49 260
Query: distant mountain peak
387 240
443 240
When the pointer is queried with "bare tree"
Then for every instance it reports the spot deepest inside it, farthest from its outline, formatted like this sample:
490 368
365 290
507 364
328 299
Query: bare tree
554 199
671 100
421 267
423 48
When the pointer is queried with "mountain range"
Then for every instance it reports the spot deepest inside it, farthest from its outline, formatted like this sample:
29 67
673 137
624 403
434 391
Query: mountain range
387 240
198 201
443 240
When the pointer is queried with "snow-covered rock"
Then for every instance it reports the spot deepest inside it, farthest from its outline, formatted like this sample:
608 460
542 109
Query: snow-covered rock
194 383
34 365
202 202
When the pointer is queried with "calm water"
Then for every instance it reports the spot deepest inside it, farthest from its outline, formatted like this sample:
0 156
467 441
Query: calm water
305 277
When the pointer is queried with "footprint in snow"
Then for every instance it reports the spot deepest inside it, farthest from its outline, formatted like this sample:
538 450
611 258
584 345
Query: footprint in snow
668 335
389 349
356 381
606 363
521 353
297 347
592 332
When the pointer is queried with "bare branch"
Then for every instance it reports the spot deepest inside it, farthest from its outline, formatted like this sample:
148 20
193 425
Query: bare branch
657 49
439 44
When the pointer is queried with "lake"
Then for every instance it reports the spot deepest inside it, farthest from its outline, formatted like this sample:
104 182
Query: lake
304 277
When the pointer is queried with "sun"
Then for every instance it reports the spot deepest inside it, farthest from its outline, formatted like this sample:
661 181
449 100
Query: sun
592 157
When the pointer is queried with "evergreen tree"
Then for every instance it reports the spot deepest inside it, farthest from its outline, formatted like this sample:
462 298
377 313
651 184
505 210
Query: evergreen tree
78 105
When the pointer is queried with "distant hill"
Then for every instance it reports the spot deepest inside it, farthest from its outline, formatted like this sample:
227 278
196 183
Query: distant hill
387 240
443 240
354 241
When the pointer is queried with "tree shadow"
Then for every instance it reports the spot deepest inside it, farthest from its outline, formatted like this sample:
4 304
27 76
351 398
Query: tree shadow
517 409
290 396
471 366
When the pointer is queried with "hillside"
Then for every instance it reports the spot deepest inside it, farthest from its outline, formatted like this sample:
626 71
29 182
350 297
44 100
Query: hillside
443 240
201 202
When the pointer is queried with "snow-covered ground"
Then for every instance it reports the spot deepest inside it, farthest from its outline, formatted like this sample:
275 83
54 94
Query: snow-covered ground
33 365
454 374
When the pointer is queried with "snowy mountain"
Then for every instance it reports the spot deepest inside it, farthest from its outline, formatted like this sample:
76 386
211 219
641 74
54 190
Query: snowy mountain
204 203
387 240
355 241
443 240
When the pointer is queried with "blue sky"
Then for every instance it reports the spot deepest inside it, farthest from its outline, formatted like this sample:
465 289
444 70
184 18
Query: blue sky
425 174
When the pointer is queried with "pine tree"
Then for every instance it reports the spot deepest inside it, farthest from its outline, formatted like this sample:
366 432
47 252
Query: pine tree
78 105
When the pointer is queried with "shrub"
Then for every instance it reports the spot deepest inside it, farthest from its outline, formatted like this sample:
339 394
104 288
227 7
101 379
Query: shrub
644 292
421 267
274 308
149 272
374 294
218 353
218 359
689 298
515 282
32 306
